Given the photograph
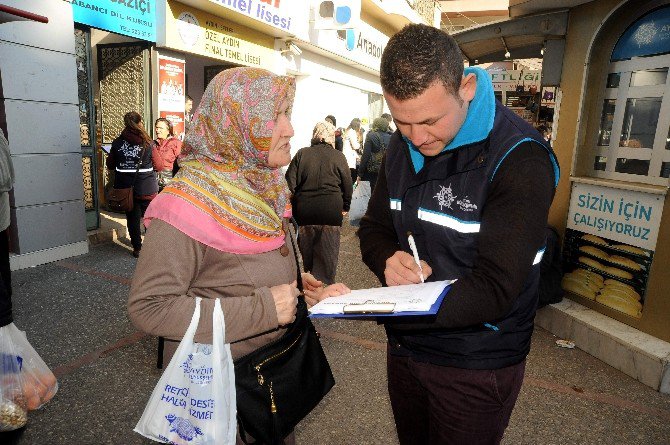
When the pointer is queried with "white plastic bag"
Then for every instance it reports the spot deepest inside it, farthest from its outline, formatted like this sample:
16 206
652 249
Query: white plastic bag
26 382
194 401
359 200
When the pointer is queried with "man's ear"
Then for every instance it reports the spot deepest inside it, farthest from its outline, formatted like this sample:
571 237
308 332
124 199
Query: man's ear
468 87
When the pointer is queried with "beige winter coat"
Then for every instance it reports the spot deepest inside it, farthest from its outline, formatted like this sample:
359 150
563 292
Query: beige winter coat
173 269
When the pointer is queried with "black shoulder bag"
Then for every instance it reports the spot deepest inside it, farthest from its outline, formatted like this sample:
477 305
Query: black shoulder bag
280 383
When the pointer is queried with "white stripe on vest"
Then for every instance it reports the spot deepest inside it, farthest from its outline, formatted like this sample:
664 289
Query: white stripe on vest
444 220
142 170
396 204
538 256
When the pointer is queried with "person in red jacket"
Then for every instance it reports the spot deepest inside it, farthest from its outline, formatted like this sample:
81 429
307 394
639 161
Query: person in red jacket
166 149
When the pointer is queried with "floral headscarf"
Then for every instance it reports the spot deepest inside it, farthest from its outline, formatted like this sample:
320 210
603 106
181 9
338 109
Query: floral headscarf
324 131
225 194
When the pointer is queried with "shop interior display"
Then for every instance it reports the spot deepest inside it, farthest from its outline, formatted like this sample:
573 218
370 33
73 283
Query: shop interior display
606 271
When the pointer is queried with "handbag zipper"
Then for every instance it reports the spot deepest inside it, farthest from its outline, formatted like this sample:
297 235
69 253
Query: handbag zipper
261 379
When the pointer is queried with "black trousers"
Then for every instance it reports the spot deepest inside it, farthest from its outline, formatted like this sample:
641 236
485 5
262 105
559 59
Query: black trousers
442 405
134 221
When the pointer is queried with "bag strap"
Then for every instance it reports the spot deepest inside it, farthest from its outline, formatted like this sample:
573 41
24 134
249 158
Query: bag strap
295 253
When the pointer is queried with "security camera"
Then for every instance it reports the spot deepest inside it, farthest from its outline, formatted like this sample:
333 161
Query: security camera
293 48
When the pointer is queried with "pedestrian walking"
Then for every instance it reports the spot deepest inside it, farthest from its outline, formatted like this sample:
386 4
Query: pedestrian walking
352 146
320 183
131 159
473 183
373 151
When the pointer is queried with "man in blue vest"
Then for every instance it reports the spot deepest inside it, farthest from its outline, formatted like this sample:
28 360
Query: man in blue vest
473 183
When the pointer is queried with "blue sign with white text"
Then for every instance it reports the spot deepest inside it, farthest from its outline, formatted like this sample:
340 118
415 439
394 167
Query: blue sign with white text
134 18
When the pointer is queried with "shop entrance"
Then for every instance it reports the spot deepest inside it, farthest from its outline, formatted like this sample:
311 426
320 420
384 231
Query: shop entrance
123 70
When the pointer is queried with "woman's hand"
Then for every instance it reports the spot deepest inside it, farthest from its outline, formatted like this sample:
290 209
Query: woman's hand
286 302
313 296
309 282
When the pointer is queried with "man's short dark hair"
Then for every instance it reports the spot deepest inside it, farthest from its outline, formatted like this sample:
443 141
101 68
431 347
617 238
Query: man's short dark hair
188 98
332 120
417 56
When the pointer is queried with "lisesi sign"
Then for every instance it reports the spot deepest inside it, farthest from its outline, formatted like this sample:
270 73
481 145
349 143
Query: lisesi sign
135 18
281 14
630 217
197 32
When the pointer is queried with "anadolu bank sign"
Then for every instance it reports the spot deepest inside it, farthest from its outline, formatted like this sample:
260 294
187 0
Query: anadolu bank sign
363 45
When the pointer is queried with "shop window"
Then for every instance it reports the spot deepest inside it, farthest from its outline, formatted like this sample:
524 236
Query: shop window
665 170
606 119
634 116
648 77
613 80
632 166
639 122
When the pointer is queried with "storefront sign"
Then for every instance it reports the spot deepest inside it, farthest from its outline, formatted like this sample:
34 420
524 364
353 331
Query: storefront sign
509 80
337 14
171 94
281 14
648 36
363 45
625 216
196 32
135 18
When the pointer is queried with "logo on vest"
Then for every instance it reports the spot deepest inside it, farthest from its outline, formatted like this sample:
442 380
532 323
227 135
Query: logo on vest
466 205
445 197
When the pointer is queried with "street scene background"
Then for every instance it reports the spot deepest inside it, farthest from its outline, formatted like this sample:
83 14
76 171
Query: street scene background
74 313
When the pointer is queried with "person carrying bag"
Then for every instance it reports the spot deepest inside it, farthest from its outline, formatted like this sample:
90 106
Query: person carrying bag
225 218
135 183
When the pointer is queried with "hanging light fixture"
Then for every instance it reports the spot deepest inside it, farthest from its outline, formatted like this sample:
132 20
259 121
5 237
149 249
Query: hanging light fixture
507 53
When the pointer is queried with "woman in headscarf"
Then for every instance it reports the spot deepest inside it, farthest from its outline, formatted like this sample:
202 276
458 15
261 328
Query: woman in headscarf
373 151
131 159
320 180
223 216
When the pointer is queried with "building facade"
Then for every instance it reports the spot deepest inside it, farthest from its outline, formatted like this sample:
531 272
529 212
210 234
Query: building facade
67 84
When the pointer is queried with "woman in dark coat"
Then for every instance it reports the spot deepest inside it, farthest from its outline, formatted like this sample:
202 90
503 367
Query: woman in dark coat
373 151
320 181
127 149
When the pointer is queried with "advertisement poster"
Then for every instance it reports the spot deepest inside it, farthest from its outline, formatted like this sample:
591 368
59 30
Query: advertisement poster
609 245
171 92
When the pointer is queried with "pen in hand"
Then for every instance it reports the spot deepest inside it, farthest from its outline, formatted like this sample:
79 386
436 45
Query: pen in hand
415 253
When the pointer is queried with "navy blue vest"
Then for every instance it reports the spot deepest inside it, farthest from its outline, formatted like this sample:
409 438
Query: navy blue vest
442 207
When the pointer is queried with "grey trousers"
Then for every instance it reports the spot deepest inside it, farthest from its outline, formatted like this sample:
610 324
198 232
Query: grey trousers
320 248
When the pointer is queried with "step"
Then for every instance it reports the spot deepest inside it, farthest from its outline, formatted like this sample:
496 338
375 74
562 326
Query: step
639 355
112 227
